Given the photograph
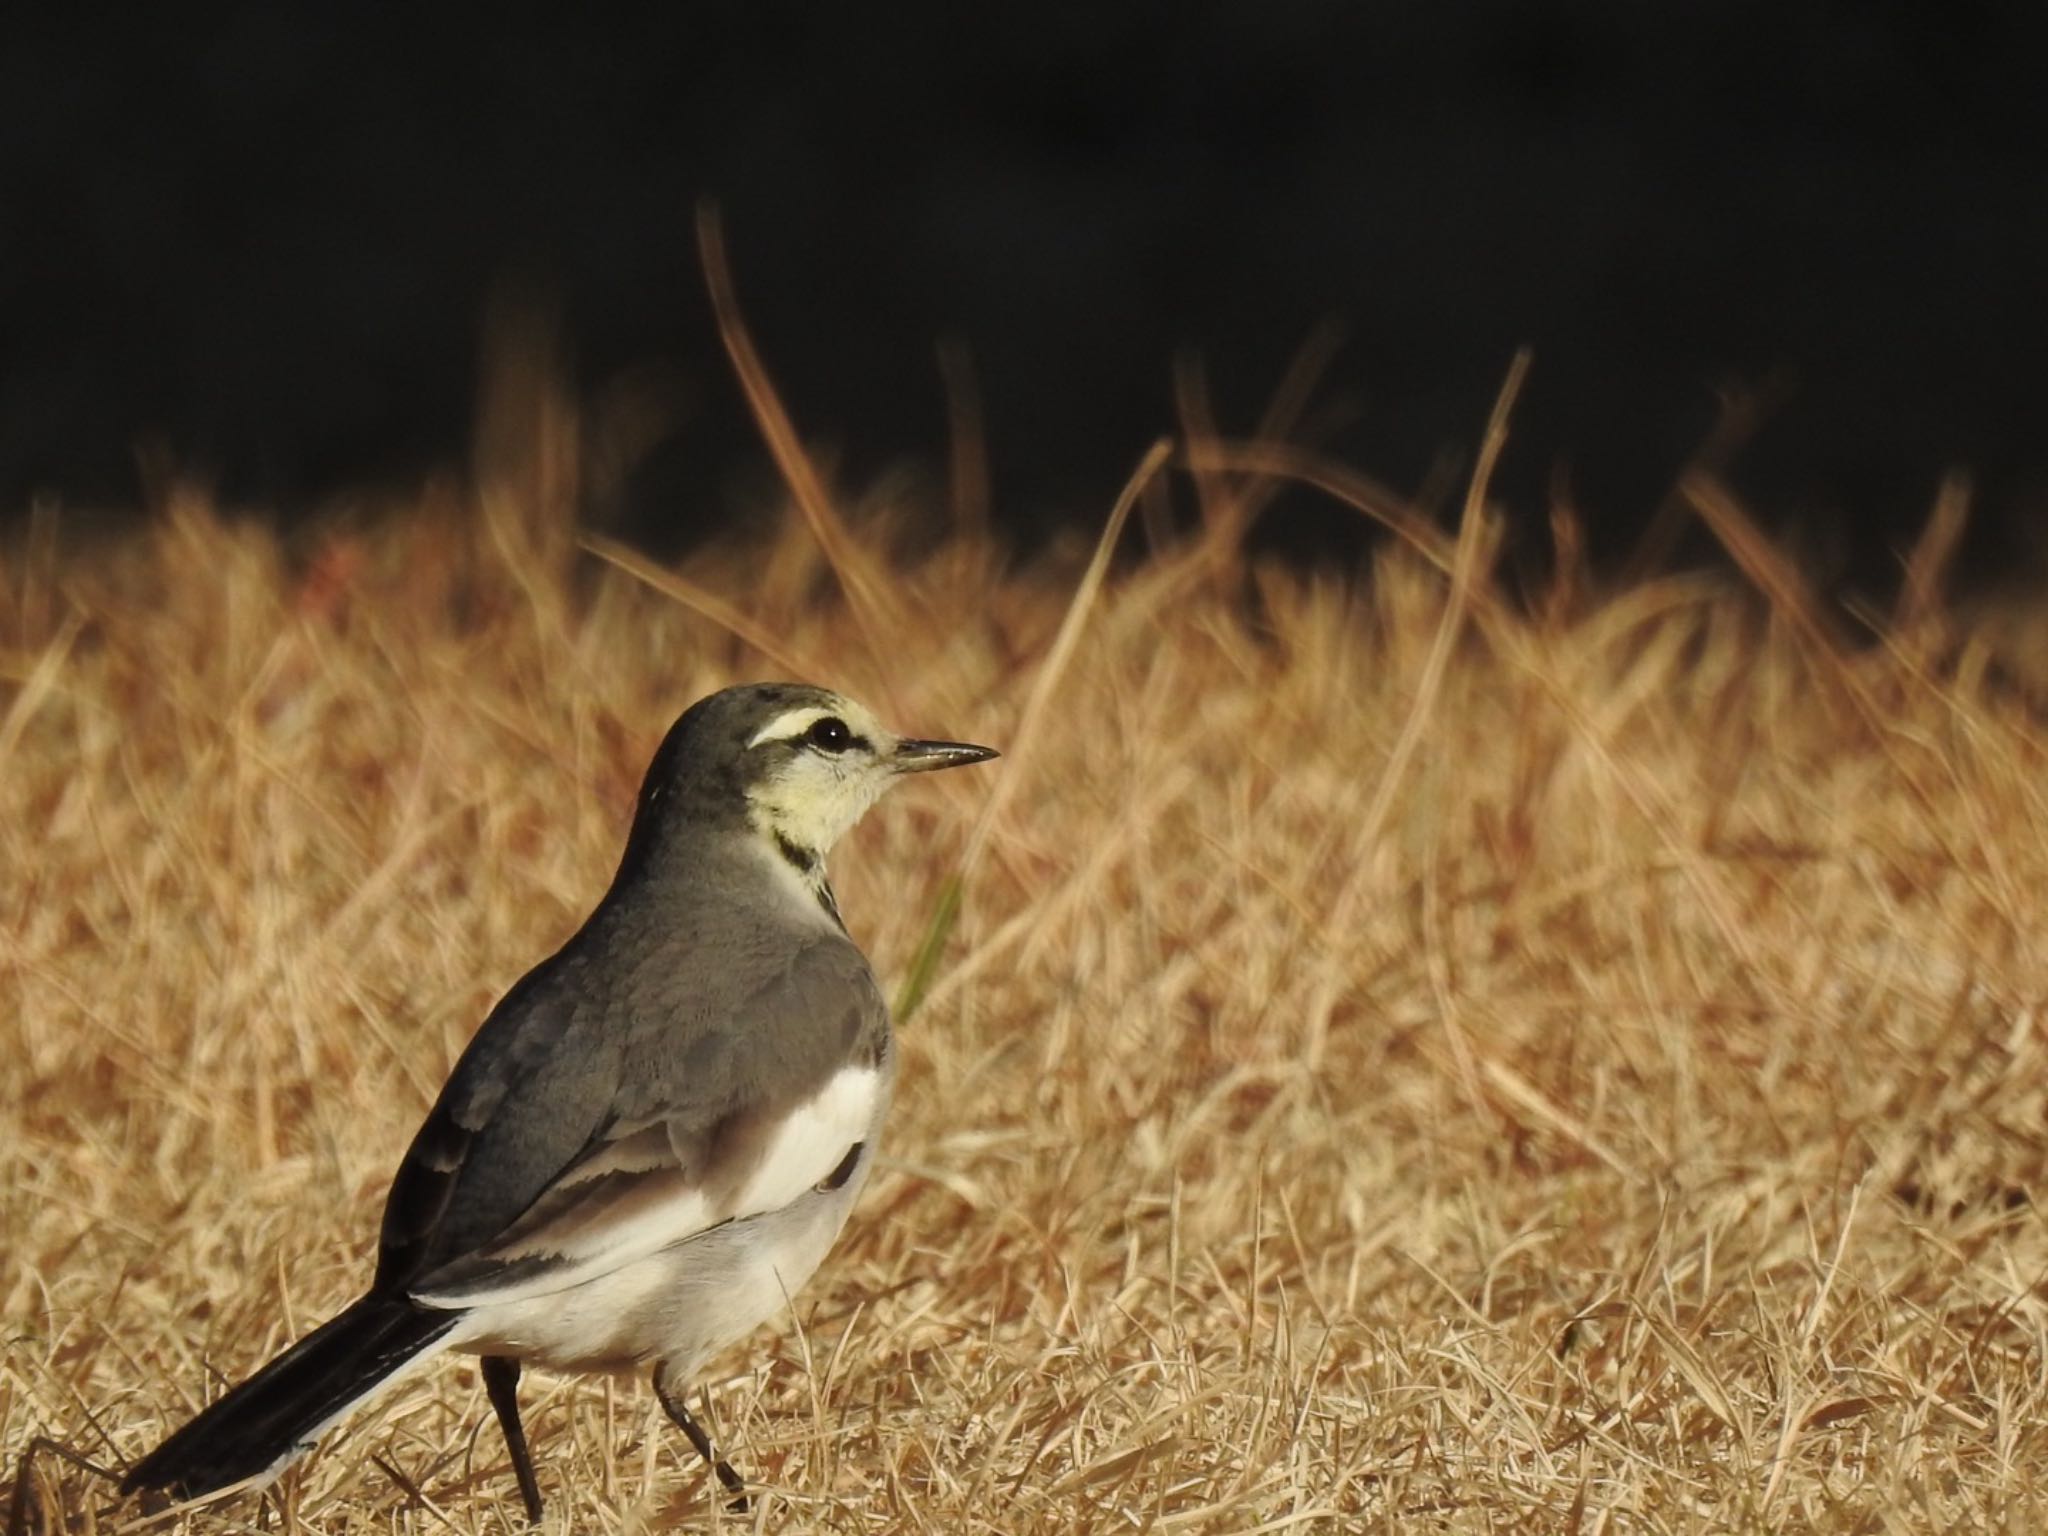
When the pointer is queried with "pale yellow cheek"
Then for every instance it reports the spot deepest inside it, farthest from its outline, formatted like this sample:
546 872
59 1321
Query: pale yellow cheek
815 813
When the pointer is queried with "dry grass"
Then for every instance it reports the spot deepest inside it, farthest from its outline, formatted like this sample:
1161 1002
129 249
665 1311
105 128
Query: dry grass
1401 1064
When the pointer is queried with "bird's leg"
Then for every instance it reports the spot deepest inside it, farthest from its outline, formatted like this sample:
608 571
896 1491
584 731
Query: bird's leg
23 1507
501 1384
679 1414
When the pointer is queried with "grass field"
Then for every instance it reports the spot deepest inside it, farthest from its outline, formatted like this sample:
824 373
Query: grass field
1405 1061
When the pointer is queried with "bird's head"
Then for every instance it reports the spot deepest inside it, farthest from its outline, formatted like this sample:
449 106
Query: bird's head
816 763
798 764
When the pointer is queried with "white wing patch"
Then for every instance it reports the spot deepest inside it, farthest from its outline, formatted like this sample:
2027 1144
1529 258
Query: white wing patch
811 1142
647 1209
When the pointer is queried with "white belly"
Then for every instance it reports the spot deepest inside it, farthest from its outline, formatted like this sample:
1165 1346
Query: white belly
681 1304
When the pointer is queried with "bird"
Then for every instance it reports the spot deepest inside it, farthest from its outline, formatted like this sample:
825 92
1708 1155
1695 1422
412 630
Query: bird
655 1136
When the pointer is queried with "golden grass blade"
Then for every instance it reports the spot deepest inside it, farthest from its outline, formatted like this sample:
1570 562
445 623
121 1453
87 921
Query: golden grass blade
1573 1128
1920 594
705 604
35 690
1471 557
1031 722
1764 563
1340 483
1791 595
924 964
866 585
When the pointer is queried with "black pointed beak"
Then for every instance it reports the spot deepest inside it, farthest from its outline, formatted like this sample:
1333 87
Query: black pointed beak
926 756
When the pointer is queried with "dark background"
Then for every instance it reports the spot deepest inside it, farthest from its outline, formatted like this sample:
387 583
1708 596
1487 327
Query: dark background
264 240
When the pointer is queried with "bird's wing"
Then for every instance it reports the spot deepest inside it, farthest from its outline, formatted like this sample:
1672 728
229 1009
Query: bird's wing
582 1144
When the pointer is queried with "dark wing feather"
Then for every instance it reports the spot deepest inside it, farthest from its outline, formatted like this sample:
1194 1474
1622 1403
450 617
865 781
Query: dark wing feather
581 1107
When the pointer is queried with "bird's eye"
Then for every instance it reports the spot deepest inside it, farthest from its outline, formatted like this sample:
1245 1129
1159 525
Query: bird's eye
830 735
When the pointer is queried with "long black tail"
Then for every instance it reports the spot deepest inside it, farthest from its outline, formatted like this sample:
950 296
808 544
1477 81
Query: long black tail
276 1414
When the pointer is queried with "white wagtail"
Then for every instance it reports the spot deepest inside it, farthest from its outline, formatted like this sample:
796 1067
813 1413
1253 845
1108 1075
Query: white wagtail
656 1135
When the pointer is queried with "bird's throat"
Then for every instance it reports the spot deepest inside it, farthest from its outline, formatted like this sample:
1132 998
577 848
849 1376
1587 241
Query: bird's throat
809 867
